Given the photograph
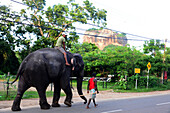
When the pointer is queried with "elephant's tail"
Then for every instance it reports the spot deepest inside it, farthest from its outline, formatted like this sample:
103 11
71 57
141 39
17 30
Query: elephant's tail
18 73
15 79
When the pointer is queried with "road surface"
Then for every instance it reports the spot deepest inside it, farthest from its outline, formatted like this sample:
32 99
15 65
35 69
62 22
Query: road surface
151 104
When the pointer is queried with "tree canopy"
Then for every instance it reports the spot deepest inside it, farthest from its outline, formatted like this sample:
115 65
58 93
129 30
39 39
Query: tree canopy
114 59
35 27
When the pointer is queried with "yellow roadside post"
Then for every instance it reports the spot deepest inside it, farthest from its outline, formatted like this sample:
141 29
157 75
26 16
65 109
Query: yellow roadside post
137 70
149 67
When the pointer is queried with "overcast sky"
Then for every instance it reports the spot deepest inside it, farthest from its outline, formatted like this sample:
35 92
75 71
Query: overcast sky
147 18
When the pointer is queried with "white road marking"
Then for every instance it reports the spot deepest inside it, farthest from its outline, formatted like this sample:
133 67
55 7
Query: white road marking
113 111
163 103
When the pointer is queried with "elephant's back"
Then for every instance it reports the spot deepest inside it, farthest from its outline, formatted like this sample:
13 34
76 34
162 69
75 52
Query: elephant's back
45 55
51 54
44 63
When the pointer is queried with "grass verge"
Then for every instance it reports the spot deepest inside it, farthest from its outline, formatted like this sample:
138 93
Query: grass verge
162 87
27 95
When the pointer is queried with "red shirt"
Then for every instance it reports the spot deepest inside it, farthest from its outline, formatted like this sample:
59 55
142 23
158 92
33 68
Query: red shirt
91 83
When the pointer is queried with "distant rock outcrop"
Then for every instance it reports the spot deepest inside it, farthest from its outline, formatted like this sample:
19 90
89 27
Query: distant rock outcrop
104 37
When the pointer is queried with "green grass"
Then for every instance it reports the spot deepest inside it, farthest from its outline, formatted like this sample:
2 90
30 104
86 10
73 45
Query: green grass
27 95
162 87
139 90
110 85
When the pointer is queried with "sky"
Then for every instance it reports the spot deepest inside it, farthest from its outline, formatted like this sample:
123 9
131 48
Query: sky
146 18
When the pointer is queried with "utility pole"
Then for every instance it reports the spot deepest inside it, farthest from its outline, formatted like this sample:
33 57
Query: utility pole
162 76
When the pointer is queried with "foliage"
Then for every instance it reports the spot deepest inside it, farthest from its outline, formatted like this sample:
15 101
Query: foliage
122 38
59 18
117 58
162 87
122 35
94 29
111 46
153 47
36 28
167 60
142 82
2 76
6 29
122 83
89 53
8 62
84 48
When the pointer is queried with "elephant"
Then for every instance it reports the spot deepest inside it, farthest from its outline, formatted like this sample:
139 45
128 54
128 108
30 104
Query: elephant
45 66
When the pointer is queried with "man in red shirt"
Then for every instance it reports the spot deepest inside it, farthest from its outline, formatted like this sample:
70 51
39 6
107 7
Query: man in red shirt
92 86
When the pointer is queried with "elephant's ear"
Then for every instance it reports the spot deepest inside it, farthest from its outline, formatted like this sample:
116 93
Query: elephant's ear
73 61
76 55
79 60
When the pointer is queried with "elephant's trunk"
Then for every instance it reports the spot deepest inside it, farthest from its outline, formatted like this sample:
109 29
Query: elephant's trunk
79 88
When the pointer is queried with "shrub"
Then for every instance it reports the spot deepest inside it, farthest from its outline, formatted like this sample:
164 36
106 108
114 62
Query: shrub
2 76
122 83
142 82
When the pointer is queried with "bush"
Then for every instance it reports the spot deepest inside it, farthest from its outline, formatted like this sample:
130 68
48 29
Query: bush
2 76
5 77
154 82
142 82
122 83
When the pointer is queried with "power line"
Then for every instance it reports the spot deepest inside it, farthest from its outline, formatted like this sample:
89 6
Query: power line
73 32
67 31
29 24
22 17
57 29
19 16
33 19
90 23
50 23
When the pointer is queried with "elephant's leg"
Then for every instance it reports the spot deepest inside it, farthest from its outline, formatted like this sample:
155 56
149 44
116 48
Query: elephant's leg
22 87
43 100
69 94
56 96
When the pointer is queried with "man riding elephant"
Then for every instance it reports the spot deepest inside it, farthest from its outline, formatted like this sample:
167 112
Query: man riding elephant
61 46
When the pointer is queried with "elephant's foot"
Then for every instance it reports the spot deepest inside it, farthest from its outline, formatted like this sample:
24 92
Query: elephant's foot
16 105
55 104
15 108
67 103
45 106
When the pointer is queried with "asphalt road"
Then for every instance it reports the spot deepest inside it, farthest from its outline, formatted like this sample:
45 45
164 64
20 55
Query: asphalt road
152 104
